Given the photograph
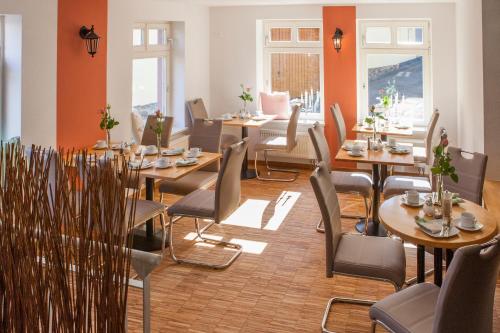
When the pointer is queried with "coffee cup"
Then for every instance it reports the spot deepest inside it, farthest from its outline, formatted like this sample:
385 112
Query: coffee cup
468 220
392 142
162 162
356 148
101 144
412 196
194 151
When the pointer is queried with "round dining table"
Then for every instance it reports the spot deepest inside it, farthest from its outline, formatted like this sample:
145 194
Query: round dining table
399 219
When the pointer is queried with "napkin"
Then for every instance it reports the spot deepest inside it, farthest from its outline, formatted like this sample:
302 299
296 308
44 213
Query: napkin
433 226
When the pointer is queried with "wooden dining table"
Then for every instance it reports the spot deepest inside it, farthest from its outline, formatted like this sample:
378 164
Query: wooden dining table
377 159
385 131
147 240
245 124
399 219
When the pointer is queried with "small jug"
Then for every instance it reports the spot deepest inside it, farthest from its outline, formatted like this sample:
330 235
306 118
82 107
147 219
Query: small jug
429 207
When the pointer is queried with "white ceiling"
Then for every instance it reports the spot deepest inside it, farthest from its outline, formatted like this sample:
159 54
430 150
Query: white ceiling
304 2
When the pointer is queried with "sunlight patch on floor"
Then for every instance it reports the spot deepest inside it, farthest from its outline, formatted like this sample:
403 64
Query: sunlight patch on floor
249 214
249 246
283 206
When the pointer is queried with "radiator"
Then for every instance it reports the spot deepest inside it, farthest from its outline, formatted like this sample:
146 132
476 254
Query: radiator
302 153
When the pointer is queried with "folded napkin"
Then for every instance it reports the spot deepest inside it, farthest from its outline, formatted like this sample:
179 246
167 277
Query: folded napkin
173 151
432 227
186 161
137 164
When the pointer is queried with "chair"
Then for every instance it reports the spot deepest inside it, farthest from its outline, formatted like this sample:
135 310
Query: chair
339 123
423 155
345 181
213 205
376 258
280 144
149 136
471 173
197 110
463 304
207 136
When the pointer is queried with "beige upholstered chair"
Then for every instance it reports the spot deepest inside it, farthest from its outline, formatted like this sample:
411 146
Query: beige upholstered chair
423 155
345 181
339 123
376 258
463 304
205 135
149 136
197 110
213 205
471 171
281 144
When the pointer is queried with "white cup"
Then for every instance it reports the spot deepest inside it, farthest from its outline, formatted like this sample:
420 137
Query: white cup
412 196
392 142
101 144
468 220
356 148
162 162
194 151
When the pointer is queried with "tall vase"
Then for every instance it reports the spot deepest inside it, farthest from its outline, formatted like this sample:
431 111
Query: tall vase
439 189
158 144
108 138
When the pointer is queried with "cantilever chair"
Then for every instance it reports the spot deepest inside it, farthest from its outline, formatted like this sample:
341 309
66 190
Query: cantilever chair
345 181
376 258
213 205
149 136
423 155
463 304
279 144
197 110
339 123
207 136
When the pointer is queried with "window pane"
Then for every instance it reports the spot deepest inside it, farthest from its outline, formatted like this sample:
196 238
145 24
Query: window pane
156 37
281 34
399 76
308 34
378 35
138 37
299 74
148 86
411 35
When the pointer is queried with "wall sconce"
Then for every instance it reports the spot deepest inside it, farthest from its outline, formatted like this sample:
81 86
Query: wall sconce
91 39
337 39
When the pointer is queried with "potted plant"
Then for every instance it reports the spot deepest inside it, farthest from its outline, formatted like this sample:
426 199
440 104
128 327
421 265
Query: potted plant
442 165
158 129
246 97
107 123
371 120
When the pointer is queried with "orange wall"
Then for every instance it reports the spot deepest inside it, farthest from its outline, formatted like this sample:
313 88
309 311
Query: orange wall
81 79
339 72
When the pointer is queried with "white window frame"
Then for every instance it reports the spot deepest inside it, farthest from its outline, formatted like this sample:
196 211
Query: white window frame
157 51
2 83
423 50
293 46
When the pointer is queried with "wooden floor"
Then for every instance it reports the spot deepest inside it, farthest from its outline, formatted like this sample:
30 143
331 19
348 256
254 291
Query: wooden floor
277 285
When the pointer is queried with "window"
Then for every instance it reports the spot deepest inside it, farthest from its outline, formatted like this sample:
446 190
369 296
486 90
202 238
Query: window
293 62
150 69
395 62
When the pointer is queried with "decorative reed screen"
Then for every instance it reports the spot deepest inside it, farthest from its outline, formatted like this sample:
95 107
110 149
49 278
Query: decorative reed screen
64 242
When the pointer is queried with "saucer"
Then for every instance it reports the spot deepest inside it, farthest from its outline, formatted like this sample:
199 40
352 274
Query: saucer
458 223
186 162
401 151
172 152
140 166
96 147
189 155
166 166
350 153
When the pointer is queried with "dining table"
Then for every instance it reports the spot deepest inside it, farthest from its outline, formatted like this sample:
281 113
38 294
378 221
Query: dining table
148 240
377 158
245 124
399 219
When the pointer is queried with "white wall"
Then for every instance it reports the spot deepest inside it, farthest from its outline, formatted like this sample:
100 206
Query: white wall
121 16
233 50
470 75
443 50
12 71
39 68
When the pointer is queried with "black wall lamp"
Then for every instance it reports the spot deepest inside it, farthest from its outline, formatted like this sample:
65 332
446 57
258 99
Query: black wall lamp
91 39
337 39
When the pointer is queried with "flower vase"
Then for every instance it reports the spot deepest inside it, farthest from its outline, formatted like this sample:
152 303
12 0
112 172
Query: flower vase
108 138
439 189
158 144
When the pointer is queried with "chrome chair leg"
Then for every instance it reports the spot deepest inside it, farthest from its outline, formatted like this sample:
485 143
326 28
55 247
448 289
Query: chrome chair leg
296 172
319 227
340 300
236 247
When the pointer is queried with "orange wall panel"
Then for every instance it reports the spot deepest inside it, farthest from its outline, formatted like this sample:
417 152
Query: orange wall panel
81 79
340 73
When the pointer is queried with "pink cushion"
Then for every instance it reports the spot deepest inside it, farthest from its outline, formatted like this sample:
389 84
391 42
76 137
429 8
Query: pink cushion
277 103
